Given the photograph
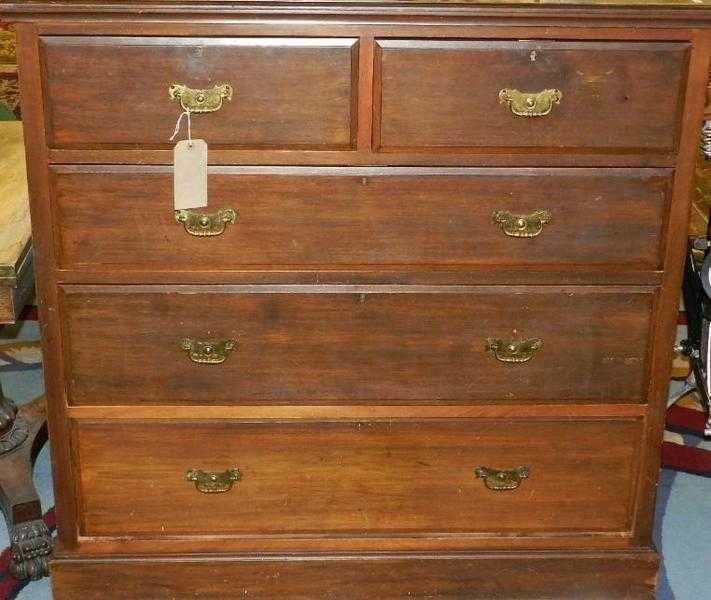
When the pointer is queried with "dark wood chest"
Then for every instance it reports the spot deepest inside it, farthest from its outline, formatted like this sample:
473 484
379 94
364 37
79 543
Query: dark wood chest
417 345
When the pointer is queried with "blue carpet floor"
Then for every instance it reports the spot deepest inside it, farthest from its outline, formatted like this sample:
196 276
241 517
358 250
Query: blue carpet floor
21 378
683 532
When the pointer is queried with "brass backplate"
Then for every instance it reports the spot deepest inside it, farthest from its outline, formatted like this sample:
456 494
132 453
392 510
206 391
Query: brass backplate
198 100
521 226
210 482
202 224
513 351
502 479
530 104
208 352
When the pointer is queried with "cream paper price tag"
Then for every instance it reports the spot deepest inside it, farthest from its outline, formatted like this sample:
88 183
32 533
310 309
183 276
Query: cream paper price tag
190 174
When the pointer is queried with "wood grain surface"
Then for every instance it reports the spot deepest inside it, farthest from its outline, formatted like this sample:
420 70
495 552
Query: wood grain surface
359 478
319 344
355 284
113 91
554 576
121 218
445 94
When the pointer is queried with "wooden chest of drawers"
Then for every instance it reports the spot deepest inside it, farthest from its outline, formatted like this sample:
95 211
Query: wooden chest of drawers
418 344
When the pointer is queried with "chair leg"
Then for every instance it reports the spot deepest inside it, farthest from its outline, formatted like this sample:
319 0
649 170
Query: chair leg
23 431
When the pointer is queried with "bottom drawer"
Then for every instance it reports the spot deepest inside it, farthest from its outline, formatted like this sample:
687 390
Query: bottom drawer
356 478
491 576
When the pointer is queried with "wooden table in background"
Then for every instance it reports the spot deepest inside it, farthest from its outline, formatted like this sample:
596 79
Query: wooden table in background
23 431
16 282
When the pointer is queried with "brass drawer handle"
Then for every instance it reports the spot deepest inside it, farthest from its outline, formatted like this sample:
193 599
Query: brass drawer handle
208 352
200 101
206 224
530 104
209 482
514 351
522 226
502 479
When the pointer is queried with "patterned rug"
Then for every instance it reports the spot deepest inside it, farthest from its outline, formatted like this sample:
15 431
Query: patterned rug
685 422
20 374
683 448
683 453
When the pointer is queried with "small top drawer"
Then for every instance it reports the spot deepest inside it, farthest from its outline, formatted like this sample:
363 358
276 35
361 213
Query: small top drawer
114 91
583 96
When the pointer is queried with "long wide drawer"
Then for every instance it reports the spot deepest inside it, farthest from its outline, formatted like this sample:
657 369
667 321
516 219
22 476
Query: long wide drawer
460 95
621 575
284 92
357 478
352 344
122 218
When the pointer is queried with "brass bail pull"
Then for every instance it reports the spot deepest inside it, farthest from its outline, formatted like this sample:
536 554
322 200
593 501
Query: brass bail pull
210 482
502 479
513 351
521 226
208 352
198 100
202 224
530 104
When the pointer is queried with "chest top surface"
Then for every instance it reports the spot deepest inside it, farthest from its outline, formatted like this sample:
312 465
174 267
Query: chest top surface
37 7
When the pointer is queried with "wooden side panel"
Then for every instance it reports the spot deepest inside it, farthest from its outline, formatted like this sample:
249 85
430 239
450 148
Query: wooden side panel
617 96
113 91
357 478
667 307
616 576
44 270
321 344
121 218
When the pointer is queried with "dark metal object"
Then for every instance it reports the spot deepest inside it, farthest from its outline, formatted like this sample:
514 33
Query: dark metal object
697 347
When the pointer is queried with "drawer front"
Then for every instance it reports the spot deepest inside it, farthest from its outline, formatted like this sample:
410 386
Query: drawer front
286 92
346 344
122 217
628 575
447 94
356 478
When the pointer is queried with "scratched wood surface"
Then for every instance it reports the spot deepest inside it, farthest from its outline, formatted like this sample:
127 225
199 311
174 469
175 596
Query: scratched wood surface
364 217
371 345
358 478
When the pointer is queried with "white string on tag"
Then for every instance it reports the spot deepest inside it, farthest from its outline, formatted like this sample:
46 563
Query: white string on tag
177 127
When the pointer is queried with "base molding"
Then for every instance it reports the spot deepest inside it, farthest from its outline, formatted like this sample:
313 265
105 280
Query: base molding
569 575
